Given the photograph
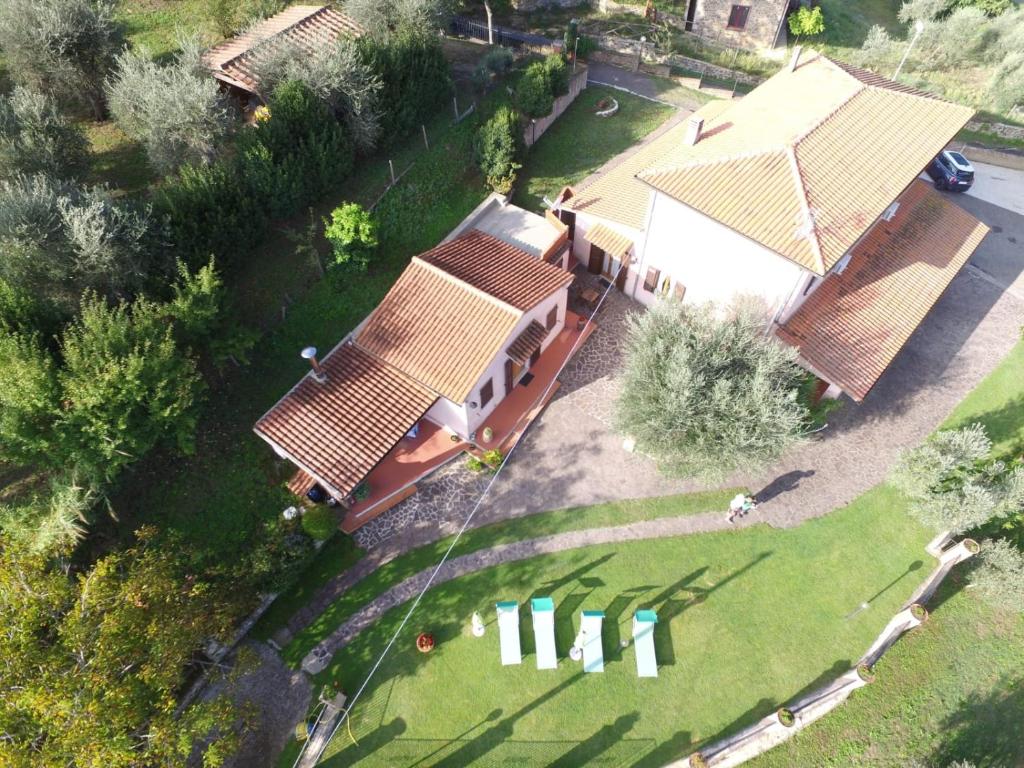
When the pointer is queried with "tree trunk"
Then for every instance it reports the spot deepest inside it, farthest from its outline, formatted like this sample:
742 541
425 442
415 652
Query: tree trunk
490 23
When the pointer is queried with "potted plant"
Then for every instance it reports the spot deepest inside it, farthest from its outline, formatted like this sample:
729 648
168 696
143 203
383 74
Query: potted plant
488 434
786 717
919 612
865 673
425 642
697 761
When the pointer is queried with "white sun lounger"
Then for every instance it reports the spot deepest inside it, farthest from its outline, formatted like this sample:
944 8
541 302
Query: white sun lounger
590 633
508 633
643 643
543 609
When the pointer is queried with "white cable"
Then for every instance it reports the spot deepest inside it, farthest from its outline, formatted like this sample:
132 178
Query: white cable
465 525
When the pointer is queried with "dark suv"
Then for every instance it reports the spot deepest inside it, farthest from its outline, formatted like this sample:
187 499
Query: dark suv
951 170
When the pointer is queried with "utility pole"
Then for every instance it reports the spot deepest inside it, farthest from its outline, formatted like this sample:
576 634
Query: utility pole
918 29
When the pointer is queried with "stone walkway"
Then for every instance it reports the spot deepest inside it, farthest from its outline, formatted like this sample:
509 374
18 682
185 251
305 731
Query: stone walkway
318 659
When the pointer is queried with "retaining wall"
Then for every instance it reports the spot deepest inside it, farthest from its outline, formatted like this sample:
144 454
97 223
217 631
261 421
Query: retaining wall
625 47
536 128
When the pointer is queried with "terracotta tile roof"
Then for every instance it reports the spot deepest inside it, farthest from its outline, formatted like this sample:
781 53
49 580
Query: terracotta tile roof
808 160
609 241
338 430
852 327
527 342
499 269
306 26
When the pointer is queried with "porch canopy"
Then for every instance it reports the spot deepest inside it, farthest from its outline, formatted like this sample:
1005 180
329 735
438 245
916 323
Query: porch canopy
853 326
608 240
527 342
338 430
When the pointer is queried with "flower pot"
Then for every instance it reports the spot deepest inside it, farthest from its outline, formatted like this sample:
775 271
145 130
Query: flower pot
425 642
786 717
865 673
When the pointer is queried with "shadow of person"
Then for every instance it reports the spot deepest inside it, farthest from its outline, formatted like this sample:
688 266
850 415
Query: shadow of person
603 739
666 751
782 484
368 744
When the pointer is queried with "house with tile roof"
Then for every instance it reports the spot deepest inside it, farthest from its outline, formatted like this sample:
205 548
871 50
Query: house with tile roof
304 27
458 334
804 195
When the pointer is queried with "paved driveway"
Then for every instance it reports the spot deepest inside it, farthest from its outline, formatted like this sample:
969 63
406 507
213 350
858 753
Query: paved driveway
572 457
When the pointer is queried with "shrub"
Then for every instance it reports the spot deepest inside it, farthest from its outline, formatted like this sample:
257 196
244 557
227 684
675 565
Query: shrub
498 60
282 552
352 233
415 77
558 74
64 47
176 111
361 492
36 138
498 149
493 458
999 576
319 522
533 93
806 21
1007 82
707 392
585 46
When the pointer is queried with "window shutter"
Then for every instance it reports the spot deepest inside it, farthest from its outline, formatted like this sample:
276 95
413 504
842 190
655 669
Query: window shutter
651 280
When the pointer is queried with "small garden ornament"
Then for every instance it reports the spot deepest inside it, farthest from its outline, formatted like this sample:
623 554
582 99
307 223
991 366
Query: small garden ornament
478 625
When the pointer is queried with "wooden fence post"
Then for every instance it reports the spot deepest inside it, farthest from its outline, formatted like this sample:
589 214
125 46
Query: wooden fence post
391 166
425 142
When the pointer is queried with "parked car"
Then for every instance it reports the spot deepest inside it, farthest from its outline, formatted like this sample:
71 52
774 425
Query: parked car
951 170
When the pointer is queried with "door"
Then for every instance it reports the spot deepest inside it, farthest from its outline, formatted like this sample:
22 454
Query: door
691 11
596 260
535 357
569 219
620 279
510 380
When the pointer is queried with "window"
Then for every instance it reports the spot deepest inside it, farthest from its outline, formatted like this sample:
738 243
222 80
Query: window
651 281
738 17
486 392
552 320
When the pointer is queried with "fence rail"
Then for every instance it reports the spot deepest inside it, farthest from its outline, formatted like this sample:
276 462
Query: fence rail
510 38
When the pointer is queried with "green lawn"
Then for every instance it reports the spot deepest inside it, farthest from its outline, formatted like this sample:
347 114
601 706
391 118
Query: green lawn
749 619
156 24
533 526
951 690
117 161
581 142
847 24
998 403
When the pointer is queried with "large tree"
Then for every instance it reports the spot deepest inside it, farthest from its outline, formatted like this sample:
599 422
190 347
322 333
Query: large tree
706 391
58 239
385 17
36 138
66 47
91 665
954 485
175 110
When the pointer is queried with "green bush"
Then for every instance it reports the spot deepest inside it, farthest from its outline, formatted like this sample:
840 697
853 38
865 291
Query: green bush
319 522
585 46
280 166
352 233
806 21
415 77
533 93
498 149
558 74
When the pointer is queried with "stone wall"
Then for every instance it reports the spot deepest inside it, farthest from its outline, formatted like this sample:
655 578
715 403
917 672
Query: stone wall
536 128
712 19
624 47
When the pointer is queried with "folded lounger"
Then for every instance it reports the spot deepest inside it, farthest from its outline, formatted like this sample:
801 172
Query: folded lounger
543 610
643 643
590 632
508 633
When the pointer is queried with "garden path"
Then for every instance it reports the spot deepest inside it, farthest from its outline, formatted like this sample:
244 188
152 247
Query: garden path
317 659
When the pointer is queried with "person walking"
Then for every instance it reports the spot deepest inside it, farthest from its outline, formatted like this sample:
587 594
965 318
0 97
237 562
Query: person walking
740 505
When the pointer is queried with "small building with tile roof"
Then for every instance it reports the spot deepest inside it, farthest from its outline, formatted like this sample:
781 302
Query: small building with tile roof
774 197
455 335
234 62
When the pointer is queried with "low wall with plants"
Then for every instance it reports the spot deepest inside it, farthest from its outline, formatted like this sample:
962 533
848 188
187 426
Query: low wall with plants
536 128
781 725
624 46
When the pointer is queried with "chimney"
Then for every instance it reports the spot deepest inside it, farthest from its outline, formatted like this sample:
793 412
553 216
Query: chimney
793 62
693 130
309 353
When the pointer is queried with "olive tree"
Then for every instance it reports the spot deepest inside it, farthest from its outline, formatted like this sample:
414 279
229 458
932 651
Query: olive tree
36 138
336 73
381 18
66 47
953 484
999 576
706 391
175 110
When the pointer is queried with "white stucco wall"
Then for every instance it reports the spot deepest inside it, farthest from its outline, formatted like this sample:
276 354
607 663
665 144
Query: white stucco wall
581 245
451 415
713 262
496 370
